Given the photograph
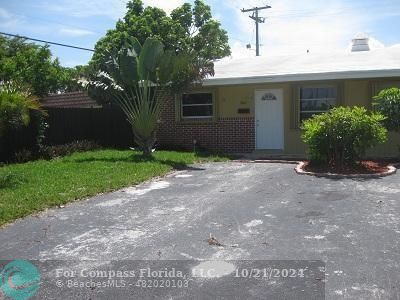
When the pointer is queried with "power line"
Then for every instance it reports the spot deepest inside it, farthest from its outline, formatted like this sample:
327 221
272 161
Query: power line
47 42
340 11
304 13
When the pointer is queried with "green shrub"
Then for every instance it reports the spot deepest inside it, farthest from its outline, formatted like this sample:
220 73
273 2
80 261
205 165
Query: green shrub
342 135
23 156
50 152
387 102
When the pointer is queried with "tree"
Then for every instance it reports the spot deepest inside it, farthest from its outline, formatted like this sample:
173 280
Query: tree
387 102
138 78
16 104
189 29
34 65
70 78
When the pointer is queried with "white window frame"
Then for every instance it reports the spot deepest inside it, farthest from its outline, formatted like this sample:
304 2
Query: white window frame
316 99
186 105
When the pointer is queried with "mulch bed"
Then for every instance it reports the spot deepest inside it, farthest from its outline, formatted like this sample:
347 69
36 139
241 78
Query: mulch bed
363 167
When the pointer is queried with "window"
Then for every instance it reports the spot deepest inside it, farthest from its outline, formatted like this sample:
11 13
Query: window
268 96
197 105
316 100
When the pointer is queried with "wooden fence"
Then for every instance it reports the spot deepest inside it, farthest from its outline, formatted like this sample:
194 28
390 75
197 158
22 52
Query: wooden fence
106 126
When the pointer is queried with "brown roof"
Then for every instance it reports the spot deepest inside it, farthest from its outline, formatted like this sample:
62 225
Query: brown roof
69 100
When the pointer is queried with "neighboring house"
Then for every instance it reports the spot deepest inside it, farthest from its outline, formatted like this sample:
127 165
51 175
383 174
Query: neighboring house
258 103
69 100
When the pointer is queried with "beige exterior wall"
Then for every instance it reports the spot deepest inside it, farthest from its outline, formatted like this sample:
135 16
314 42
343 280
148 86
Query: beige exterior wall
355 92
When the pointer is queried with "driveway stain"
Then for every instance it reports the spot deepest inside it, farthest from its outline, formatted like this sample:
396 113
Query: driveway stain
310 214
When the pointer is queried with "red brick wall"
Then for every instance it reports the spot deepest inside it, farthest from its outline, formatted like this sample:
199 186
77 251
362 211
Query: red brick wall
229 135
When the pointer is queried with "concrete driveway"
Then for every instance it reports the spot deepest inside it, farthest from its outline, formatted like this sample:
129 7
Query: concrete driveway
257 211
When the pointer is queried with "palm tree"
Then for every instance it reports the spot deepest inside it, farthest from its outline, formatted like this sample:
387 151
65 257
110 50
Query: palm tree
139 77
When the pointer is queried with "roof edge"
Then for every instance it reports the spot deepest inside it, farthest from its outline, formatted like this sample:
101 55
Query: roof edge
303 77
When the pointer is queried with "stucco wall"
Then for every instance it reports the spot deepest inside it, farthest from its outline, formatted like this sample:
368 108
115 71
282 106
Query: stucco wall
355 92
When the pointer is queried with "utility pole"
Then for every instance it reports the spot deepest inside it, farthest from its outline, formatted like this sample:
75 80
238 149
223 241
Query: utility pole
258 20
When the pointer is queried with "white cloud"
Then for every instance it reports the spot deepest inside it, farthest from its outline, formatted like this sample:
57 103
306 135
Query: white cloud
20 24
4 14
109 8
74 32
375 44
318 26
239 50
8 20
166 5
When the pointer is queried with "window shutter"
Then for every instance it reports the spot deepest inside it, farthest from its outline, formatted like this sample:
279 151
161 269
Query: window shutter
373 91
295 106
340 100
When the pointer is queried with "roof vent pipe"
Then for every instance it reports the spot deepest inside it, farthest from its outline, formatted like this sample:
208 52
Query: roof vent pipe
360 43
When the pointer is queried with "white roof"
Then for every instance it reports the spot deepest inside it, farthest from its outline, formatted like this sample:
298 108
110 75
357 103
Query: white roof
376 63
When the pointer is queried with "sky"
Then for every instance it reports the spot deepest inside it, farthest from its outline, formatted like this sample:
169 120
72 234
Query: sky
291 26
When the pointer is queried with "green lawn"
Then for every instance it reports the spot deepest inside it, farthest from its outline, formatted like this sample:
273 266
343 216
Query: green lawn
33 186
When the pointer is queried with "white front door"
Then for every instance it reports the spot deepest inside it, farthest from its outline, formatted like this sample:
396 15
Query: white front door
269 119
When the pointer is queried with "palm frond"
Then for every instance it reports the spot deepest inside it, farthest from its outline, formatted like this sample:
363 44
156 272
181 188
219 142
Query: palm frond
15 106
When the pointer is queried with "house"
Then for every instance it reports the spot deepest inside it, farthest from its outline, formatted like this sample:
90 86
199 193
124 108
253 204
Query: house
257 104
